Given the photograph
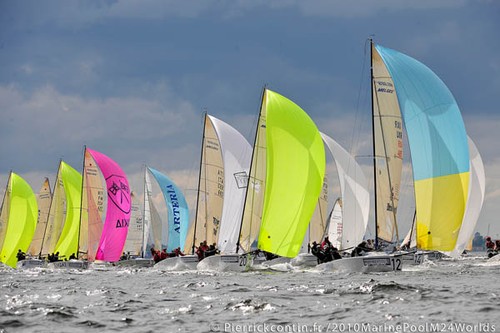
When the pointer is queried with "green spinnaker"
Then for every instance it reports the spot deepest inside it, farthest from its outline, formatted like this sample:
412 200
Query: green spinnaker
22 219
68 241
295 167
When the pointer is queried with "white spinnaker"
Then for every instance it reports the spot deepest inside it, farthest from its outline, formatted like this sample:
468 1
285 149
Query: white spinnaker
355 195
236 156
474 201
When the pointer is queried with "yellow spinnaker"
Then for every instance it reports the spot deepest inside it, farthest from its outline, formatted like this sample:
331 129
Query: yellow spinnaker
21 220
72 180
295 167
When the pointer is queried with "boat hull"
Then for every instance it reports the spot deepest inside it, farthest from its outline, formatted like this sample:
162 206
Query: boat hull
182 263
137 262
69 264
365 264
416 258
305 260
99 265
226 263
31 263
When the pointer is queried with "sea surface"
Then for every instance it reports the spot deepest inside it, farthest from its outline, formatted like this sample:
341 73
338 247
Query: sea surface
445 296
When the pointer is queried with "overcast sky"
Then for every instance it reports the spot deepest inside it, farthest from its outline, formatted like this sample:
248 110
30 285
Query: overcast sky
131 78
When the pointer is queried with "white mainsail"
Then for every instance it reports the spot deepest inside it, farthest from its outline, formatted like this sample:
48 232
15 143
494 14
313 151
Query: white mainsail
56 217
210 191
43 199
388 149
94 203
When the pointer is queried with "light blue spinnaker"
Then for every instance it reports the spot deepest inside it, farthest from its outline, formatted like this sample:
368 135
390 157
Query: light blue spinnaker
178 211
439 149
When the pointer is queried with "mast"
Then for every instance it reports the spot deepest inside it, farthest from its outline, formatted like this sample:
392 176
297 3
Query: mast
144 240
250 168
373 144
412 225
50 207
199 182
3 203
81 201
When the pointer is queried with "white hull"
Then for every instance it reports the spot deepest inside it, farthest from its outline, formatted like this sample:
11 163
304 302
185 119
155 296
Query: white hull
226 263
494 258
305 260
70 264
99 265
365 264
137 262
182 263
31 263
416 258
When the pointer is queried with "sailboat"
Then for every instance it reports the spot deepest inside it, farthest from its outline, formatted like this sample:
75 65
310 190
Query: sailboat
286 179
101 241
33 255
18 218
406 92
223 181
62 229
134 248
170 230
349 218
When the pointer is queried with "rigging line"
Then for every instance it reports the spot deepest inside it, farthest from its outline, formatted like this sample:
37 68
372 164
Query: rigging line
358 102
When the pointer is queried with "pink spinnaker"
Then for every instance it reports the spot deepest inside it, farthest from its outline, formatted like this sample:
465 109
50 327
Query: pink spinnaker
115 228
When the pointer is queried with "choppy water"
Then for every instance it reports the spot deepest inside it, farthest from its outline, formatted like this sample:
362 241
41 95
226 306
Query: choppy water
455 292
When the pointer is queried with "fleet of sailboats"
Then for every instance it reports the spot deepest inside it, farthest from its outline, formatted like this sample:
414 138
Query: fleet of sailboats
269 197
